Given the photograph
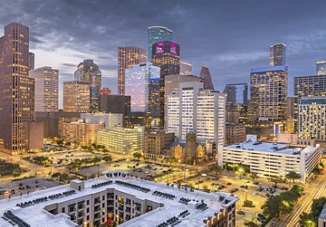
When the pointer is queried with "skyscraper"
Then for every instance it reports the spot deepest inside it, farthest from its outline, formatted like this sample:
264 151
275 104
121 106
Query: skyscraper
185 68
31 61
127 57
237 93
87 71
76 96
269 90
46 89
166 55
277 54
206 76
157 34
321 67
17 89
143 85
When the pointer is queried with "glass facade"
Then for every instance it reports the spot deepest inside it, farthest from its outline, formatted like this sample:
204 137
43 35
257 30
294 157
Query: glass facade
142 85
157 34
237 93
277 54
321 67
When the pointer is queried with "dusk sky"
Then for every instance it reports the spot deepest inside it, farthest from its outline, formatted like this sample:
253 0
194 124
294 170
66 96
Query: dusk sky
228 36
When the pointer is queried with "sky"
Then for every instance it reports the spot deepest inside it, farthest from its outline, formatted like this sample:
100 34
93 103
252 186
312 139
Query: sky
229 36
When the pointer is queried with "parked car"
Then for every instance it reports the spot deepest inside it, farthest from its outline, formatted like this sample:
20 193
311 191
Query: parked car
229 183
256 183
241 212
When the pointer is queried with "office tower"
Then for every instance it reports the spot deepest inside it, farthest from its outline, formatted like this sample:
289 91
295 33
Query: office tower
237 93
87 71
277 54
109 120
206 76
185 68
31 61
76 96
46 89
312 118
157 34
127 57
156 142
321 67
211 117
17 89
166 55
307 86
118 104
268 87
235 134
142 84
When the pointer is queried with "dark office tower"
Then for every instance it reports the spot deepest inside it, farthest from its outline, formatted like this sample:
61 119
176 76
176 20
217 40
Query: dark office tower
206 76
268 87
127 57
321 67
17 89
307 86
87 71
166 55
31 61
277 54
119 104
157 34
237 93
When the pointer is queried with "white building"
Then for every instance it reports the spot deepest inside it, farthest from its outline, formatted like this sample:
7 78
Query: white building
122 140
193 109
312 118
46 89
272 159
120 197
110 120
185 68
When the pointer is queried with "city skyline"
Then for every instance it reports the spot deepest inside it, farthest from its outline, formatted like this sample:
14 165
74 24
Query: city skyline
229 46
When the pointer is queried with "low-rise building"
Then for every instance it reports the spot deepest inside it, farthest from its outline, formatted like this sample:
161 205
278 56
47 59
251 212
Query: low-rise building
235 133
155 142
122 140
109 120
118 198
270 159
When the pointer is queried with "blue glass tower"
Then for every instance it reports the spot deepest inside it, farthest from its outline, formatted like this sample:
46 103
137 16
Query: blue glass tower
157 34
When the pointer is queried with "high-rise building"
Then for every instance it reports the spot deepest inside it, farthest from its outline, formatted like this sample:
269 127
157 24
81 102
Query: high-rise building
206 76
268 86
307 86
87 71
31 61
127 57
185 68
157 34
235 133
312 118
46 89
76 96
166 55
321 67
277 54
237 93
16 88
193 109
119 104
142 84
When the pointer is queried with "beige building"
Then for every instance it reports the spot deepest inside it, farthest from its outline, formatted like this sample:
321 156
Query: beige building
80 132
235 133
76 96
155 142
46 89
122 140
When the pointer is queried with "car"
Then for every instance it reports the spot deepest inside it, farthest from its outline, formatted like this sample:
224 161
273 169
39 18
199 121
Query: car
267 195
256 183
241 212
261 218
229 183
201 181
284 188
244 186
213 184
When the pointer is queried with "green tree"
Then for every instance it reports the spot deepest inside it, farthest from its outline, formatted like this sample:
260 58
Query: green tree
276 180
292 176
16 174
137 155
107 158
96 160
253 176
311 219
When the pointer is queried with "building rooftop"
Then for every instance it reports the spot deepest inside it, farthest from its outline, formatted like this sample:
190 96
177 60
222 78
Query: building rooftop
269 69
35 215
273 147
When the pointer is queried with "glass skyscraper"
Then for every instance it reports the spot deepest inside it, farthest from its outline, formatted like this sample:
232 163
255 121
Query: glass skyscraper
277 54
157 34
142 85
321 67
87 71
237 93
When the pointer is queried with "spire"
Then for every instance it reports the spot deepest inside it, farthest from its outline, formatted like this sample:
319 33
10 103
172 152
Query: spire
206 76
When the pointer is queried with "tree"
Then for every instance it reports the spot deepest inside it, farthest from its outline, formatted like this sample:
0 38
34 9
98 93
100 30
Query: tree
16 174
311 219
137 155
292 176
60 142
107 158
276 180
96 160
253 176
